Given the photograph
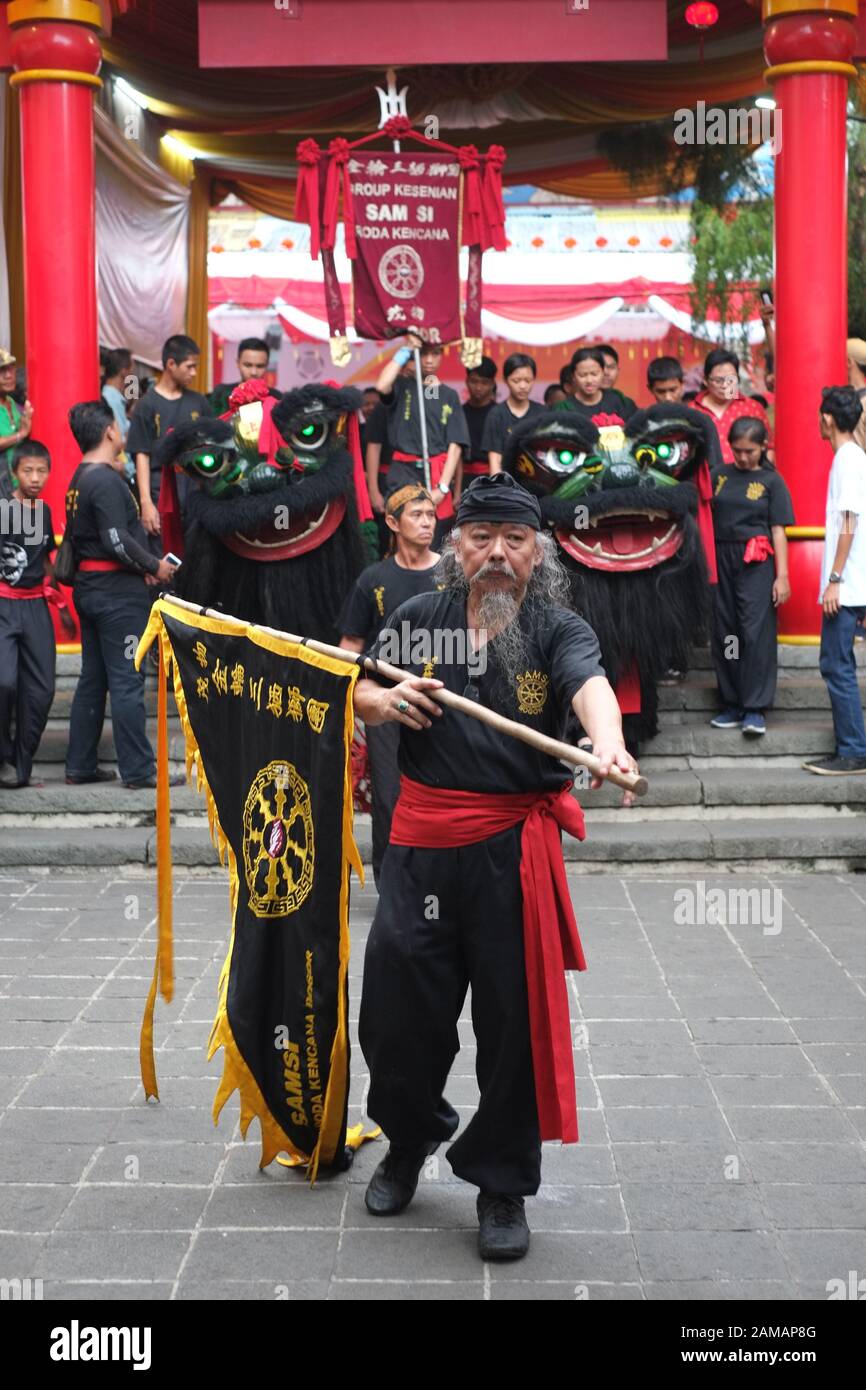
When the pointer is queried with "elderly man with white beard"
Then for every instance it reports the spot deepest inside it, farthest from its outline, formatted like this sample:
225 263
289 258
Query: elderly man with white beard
472 890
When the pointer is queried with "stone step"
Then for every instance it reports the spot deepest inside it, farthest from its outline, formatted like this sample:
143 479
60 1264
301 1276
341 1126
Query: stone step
675 845
790 655
795 691
52 747
63 696
787 734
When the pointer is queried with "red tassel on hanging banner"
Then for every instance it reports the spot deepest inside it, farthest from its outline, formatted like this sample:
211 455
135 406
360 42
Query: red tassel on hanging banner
705 519
307 193
362 496
171 528
338 171
473 227
491 199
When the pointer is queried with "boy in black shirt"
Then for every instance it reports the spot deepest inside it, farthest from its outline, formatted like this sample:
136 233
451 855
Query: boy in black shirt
27 648
481 389
411 518
114 565
167 405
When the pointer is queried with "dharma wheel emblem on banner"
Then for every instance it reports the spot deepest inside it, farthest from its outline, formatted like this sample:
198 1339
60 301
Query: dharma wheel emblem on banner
401 272
278 845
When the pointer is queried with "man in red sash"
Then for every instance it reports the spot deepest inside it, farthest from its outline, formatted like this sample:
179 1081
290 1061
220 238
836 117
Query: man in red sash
472 886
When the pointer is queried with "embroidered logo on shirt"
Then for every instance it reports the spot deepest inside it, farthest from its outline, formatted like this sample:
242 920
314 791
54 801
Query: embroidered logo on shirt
532 692
720 483
379 596
427 673
754 491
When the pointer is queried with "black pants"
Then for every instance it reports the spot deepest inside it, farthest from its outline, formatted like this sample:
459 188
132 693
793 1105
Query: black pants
448 919
113 610
383 741
744 629
27 661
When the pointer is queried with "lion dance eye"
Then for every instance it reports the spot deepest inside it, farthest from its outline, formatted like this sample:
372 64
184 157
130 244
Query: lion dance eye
593 464
646 456
310 436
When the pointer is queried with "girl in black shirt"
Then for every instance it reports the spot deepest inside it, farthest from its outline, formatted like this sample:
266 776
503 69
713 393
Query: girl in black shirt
519 373
751 508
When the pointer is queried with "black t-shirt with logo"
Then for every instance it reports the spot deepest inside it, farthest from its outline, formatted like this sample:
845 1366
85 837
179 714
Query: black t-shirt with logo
154 416
377 591
747 502
459 752
501 424
446 423
27 538
102 519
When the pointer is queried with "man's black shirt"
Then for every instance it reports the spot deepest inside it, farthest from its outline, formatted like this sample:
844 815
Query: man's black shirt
446 423
377 591
104 521
612 403
154 416
376 432
460 752
476 420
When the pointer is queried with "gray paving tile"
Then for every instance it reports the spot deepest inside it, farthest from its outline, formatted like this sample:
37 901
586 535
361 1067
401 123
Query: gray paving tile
261 1255
666 1255
110 1255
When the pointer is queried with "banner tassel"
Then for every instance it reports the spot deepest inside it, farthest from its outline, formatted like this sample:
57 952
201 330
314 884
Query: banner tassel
163 970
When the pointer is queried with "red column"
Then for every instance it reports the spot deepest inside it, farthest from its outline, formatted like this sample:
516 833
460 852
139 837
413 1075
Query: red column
809 45
56 55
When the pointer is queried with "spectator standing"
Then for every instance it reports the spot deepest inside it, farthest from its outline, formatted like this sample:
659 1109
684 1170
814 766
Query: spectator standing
664 379
116 367
721 398
167 405
27 648
591 397
519 372
253 358
855 349
114 566
751 508
15 420
843 580
609 380
481 390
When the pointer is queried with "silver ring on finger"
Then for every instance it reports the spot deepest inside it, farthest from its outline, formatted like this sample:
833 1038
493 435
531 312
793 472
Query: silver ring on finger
402 706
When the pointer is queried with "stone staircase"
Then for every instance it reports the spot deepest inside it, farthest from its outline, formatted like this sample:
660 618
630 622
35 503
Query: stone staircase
716 799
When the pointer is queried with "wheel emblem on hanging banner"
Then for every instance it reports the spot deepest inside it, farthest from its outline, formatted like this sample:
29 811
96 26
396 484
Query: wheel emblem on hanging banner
401 272
278 841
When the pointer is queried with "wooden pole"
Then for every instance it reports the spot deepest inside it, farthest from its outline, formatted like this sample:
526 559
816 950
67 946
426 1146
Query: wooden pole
577 757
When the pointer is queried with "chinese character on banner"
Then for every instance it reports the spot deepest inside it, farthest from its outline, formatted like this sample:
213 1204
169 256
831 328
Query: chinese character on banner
220 677
294 703
405 220
200 653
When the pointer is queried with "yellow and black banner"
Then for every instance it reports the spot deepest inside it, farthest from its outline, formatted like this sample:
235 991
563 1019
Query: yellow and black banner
268 727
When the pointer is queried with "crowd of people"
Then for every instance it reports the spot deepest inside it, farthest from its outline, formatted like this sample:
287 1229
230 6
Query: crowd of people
113 526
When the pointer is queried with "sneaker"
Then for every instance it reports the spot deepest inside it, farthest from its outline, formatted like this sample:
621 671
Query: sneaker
98 776
835 767
392 1186
728 719
754 723
502 1230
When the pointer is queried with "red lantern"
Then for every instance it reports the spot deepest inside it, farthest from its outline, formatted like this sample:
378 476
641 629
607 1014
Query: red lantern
217 249
538 241
253 243
287 242
702 16
665 241
634 241
570 242
601 241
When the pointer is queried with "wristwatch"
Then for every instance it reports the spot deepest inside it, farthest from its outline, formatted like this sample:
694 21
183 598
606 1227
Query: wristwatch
834 578
444 487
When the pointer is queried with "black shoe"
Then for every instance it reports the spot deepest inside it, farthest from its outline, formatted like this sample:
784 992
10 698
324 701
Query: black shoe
393 1184
836 767
98 776
502 1230
176 781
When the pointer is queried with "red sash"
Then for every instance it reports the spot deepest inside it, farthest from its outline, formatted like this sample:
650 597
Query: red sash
437 463
440 818
758 548
42 591
100 566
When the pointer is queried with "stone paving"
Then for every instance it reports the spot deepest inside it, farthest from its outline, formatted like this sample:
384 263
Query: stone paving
721 1075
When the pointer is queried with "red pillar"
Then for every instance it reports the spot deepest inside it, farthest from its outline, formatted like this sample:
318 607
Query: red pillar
809 45
56 55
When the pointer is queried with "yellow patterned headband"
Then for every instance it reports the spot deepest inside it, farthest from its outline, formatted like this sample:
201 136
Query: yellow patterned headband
412 492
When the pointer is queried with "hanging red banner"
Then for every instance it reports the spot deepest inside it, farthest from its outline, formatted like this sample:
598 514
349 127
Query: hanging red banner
406 272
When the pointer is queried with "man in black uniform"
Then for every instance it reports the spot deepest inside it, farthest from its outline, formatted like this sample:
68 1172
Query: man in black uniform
252 360
382 587
481 388
443 414
468 873
27 649
113 569
168 405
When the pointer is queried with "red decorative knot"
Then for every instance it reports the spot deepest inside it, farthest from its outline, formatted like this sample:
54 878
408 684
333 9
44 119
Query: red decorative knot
702 15
339 150
254 243
397 128
287 242
217 249
608 420
538 241
634 241
570 242
308 152
247 392
601 241
468 156
665 241
496 156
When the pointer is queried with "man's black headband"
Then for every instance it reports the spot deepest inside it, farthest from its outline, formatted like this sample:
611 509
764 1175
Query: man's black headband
499 497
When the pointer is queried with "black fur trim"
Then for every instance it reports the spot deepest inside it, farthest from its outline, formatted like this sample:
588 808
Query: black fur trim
208 429
223 516
680 499
293 407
